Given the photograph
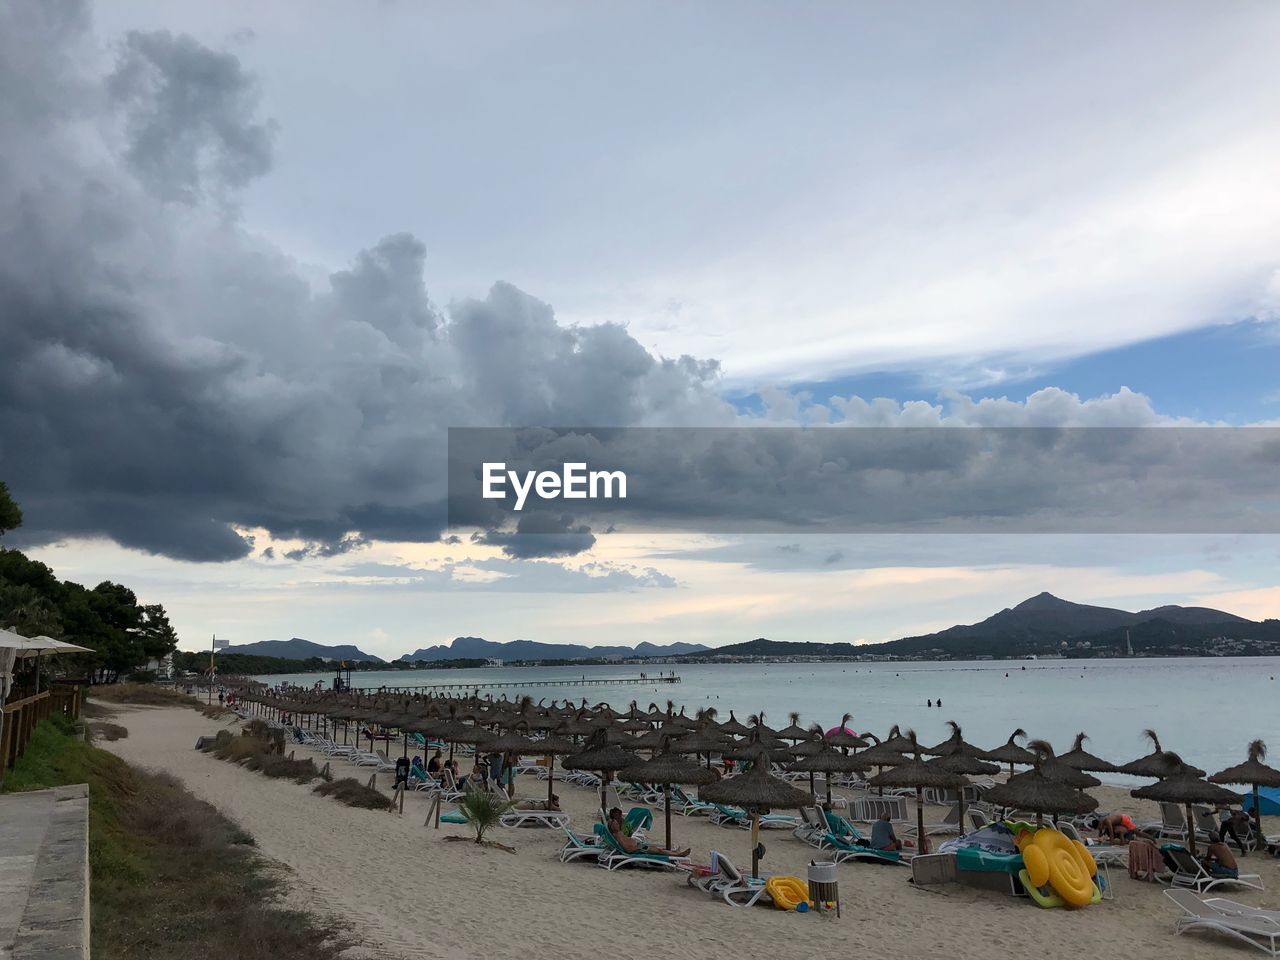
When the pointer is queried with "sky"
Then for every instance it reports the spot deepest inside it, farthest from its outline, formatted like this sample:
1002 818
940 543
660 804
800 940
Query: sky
255 260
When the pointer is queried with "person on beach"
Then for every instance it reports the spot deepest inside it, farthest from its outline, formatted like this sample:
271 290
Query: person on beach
1117 827
631 845
479 772
435 763
882 835
1219 860
1231 824
553 805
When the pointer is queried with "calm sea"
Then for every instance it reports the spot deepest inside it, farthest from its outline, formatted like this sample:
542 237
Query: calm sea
1207 709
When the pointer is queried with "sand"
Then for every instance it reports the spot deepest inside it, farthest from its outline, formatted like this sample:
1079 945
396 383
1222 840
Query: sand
409 893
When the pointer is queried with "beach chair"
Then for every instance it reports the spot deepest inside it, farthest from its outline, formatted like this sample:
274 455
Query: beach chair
975 818
811 828
638 820
688 806
841 849
1261 932
614 857
578 846
1190 872
516 817
734 887
726 816
933 868
609 797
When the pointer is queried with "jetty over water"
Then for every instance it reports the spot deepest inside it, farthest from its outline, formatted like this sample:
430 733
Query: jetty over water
586 681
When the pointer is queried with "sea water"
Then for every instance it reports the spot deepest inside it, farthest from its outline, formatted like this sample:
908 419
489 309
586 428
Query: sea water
1206 709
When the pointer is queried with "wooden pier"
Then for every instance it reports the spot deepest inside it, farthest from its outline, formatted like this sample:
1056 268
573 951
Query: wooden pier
523 684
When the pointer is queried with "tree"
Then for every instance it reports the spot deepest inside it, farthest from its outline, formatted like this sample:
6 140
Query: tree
156 635
26 611
10 512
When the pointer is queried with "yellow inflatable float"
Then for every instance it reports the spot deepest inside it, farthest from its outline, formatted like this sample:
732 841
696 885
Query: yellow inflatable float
1057 871
787 892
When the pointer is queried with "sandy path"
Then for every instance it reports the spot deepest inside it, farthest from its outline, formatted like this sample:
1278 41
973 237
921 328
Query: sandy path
401 885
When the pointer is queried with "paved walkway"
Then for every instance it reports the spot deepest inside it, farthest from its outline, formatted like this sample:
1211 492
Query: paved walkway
44 874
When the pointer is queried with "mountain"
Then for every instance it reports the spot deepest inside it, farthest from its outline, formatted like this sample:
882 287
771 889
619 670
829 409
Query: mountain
299 649
1046 624
471 648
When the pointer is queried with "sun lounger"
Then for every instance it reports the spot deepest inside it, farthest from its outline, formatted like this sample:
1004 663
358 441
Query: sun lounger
841 850
517 817
729 883
615 857
811 827
1257 931
579 846
688 806
1190 872
727 816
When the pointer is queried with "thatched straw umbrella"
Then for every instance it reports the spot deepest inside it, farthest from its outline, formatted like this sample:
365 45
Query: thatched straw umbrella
733 727
1081 759
599 756
756 791
966 765
1185 787
1253 773
1041 794
918 774
954 744
511 742
842 737
896 741
706 740
1155 763
793 731
553 746
669 768
1010 753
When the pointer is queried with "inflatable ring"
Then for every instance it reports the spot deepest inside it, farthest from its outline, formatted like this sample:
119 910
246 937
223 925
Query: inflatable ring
1053 860
787 892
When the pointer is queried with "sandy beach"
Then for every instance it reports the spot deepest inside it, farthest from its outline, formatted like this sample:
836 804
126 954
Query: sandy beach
407 892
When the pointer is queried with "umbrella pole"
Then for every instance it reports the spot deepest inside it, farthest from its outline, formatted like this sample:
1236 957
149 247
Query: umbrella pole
551 778
755 845
406 745
1258 840
1191 831
666 790
828 788
962 830
922 845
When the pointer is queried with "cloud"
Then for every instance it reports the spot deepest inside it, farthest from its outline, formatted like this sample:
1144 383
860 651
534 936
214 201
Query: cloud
169 378
507 575
540 534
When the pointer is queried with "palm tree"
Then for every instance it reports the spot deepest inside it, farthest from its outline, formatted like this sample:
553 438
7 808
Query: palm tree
482 810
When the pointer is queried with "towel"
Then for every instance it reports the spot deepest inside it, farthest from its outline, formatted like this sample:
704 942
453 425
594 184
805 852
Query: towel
1145 862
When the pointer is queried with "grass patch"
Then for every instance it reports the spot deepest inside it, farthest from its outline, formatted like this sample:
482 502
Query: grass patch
145 694
171 876
354 794
254 750
101 730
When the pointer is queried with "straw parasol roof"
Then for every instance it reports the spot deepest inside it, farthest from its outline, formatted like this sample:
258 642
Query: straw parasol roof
1156 763
1186 788
918 774
1035 791
829 761
668 768
1010 753
756 791
599 756
793 731
1081 759
955 744
841 736
733 727
813 744
897 742
1253 773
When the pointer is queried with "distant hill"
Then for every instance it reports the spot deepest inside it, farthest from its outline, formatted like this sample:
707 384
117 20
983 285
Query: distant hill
299 649
478 647
1046 624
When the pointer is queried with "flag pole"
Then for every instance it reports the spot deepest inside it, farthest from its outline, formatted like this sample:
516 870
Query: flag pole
212 643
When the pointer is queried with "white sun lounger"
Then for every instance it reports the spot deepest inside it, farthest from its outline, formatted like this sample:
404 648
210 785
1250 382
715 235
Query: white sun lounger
1191 873
1257 931
534 818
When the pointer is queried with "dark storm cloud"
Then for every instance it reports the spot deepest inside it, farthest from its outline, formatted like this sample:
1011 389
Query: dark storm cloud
167 378
540 534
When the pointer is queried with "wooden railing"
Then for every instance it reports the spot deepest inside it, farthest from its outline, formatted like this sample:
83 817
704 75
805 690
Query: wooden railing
21 717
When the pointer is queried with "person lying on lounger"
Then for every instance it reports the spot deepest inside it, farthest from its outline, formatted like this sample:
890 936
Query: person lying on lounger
1117 827
553 805
1219 860
617 827
882 835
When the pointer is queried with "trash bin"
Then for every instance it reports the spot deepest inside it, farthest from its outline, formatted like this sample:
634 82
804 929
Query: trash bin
824 888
